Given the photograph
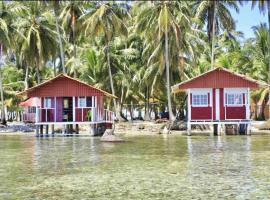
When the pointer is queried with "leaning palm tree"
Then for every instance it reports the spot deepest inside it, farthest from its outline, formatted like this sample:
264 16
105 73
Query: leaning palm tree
104 20
264 6
217 16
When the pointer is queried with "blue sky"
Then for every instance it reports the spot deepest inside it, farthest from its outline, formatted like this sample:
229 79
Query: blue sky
247 18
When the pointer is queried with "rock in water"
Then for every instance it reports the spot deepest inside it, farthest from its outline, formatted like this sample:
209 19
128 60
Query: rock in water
109 136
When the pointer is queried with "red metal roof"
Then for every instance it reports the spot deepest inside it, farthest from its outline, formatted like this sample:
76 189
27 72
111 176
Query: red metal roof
30 102
63 85
218 78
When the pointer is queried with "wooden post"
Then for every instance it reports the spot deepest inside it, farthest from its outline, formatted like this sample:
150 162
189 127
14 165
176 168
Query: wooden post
37 130
63 129
73 109
219 129
37 111
215 129
188 129
247 105
41 130
248 129
189 115
47 129
52 127
92 130
55 109
77 128
70 129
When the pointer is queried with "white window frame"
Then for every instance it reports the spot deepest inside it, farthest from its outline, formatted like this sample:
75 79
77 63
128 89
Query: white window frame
31 109
199 100
79 102
235 91
47 102
202 91
235 96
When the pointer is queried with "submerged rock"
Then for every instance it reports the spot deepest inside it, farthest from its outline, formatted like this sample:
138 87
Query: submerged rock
109 136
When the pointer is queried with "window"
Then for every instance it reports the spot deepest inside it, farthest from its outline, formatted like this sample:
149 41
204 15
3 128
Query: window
81 102
66 103
200 99
85 102
31 109
47 102
234 99
89 101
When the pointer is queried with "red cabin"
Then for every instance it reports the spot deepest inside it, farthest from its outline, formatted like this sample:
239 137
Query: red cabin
65 100
218 96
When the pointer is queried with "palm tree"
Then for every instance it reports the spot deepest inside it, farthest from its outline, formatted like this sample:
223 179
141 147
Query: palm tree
62 54
38 44
217 16
69 16
4 43
105 21
265 6
165 19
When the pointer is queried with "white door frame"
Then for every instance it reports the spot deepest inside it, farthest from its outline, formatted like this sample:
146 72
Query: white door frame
217 102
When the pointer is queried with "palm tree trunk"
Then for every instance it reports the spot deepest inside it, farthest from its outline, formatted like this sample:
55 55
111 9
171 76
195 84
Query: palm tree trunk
268 7
213 36
116 108
26 77
54 68
59 37
3 118
171 116
146 115
74 43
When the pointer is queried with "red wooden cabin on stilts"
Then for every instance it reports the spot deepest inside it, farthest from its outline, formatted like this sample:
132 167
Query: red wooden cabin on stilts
66 101
218 97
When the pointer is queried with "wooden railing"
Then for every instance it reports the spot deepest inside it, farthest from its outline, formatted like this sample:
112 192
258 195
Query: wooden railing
109 116
49 115
29 117
85 114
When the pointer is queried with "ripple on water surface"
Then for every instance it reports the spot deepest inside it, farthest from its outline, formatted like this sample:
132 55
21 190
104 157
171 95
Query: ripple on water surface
145 167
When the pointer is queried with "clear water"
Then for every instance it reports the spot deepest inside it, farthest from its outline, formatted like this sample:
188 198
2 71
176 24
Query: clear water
145 167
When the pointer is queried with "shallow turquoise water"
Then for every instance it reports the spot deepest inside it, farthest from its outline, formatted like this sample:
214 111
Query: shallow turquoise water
145 167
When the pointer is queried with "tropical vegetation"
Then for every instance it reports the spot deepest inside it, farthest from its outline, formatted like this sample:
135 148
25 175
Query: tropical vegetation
135 50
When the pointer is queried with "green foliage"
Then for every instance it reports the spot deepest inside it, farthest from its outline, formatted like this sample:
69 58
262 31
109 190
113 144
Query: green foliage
130 41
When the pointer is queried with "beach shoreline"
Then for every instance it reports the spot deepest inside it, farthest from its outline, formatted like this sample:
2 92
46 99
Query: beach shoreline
125 129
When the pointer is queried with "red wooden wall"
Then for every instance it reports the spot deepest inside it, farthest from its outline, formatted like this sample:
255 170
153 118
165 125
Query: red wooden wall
201 113
205 113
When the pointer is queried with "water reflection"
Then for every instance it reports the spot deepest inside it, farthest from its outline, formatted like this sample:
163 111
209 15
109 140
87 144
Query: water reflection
146 167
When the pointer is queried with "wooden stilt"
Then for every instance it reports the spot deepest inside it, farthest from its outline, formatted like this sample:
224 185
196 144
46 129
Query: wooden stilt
248 129
41 130
77 128
69 129
92 132
218 129
52 127
37 130
63 129
215 129
188 129
47 129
